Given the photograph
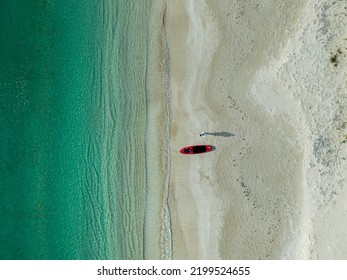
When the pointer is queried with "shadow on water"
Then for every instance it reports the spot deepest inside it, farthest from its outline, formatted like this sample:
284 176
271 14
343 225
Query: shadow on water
221 134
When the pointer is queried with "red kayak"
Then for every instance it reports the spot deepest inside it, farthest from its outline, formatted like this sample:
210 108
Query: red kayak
198 149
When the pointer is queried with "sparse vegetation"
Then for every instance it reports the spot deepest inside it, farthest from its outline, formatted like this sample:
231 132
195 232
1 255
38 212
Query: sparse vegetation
333 59
335 56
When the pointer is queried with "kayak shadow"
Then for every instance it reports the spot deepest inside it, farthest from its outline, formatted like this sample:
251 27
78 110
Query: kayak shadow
220 134
213 148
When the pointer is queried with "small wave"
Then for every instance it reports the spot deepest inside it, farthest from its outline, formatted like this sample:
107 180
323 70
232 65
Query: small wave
166 231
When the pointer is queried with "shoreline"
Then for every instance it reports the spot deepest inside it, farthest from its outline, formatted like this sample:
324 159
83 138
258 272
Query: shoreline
158 235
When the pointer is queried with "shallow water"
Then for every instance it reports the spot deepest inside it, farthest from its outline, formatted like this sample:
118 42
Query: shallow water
72 120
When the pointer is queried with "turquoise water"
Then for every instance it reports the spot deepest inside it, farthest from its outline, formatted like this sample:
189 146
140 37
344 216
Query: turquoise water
72 129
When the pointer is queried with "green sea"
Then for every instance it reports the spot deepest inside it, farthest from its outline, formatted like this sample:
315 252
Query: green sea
72 128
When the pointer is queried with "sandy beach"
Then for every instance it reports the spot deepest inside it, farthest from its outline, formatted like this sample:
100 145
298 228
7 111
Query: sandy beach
267 82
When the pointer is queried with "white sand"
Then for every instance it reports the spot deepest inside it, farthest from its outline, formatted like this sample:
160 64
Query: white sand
261 71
